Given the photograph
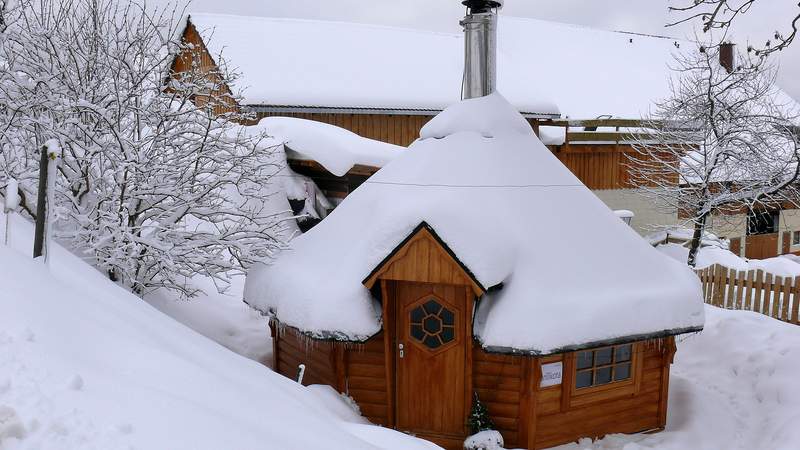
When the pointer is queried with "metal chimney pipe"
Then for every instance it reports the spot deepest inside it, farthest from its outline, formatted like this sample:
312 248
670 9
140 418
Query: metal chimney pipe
480 48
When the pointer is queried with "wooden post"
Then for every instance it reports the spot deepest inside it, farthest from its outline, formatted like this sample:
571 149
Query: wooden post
41 206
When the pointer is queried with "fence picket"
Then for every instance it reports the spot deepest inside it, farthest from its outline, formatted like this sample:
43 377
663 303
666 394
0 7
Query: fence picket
740 276
719 285
731 288
777 286
754 290
751 275
787 298
796 301
758 290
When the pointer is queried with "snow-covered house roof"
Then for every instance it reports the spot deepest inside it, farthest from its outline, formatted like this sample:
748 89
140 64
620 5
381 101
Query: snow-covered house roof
543 67
572 273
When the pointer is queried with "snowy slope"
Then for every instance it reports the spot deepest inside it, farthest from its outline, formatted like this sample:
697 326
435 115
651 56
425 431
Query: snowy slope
734 387
86 365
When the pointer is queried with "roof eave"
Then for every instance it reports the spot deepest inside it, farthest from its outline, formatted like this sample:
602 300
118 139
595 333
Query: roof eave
588 345
366 110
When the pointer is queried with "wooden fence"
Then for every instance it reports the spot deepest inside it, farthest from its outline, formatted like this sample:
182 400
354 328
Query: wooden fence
754 290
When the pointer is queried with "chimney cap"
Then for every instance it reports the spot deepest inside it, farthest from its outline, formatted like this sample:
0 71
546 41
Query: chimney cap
482 6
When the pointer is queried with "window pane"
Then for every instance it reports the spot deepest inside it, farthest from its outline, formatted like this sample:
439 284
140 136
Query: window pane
622 372
432 342
432 307
448 334
602 357
584 360
603 376
622 353
417 314
583 379
447 316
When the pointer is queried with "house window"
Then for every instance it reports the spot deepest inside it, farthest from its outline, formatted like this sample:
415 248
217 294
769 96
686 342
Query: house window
762 222
602 366
796 238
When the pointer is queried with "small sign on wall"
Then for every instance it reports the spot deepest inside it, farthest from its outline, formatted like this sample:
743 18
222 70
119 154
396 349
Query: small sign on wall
551 374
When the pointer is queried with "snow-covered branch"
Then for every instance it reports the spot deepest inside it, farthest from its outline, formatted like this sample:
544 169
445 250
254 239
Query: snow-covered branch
153 185
721 14
729 146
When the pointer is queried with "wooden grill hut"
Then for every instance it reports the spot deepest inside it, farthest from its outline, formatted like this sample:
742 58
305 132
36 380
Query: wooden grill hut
466 266
476 263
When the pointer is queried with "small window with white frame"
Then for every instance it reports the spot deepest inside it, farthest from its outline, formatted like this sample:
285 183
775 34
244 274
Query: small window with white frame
796 238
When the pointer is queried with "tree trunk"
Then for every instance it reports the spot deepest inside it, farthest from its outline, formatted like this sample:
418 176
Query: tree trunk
694 246
41 207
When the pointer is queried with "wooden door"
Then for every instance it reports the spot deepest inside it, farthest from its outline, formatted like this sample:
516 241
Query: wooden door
432 337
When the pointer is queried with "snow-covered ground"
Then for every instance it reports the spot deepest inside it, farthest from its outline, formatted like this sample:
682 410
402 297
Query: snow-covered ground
733 386
221 317
84 364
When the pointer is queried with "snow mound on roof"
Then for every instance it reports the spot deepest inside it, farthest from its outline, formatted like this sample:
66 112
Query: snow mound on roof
336 149
498 118
572 272
85 364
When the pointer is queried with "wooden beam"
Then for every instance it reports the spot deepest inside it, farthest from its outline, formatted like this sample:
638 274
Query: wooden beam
604 136
358 169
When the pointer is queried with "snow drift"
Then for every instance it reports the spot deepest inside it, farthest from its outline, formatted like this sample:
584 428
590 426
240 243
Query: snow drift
86 365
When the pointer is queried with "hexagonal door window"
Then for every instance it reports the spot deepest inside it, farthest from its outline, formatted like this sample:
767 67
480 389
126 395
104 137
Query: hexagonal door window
432 324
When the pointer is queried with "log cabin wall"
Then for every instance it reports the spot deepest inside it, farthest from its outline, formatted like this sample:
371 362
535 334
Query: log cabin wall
292 349
527 416
356 369
501 382
562 417
366 379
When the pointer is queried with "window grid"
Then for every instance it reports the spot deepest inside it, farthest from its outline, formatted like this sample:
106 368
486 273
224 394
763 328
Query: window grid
602 366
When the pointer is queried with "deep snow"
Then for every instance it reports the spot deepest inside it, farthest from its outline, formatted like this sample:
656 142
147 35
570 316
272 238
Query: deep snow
86 365
785 265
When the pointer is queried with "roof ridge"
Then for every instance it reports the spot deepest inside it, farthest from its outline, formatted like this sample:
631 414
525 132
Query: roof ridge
333 22
426 31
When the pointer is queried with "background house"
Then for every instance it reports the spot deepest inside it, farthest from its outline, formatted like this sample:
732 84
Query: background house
583 91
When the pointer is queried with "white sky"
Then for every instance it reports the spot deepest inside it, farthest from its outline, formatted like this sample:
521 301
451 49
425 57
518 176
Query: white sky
643 16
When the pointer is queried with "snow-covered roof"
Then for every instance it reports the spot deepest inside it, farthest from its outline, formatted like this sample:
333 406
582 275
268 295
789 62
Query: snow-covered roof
572 272
543 67
336 149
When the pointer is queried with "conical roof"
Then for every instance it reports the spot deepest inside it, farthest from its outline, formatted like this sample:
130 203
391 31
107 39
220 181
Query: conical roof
571 272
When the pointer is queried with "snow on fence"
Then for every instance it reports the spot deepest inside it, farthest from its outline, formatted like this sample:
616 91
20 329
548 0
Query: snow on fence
754 290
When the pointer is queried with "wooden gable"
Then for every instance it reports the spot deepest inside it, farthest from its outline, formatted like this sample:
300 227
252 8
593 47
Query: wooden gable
195 57
423 257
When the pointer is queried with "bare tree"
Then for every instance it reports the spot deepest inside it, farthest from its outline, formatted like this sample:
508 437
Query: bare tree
722 143
155 186
721 14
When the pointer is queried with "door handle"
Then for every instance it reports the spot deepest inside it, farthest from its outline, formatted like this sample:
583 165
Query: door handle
400 346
